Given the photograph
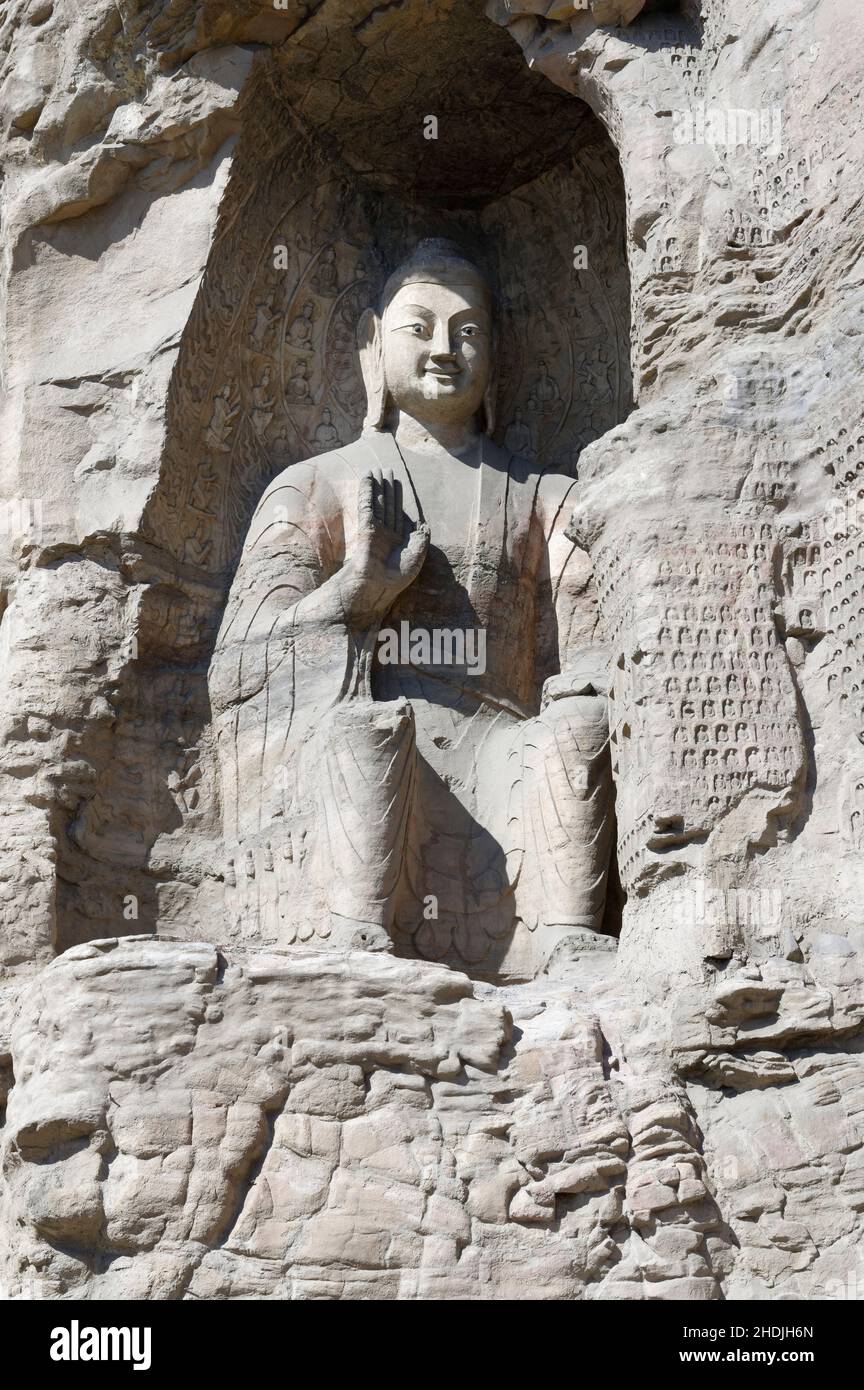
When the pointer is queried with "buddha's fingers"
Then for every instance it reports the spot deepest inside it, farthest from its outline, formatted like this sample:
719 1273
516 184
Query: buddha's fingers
378 496
415 552
389 500
398 510
366 503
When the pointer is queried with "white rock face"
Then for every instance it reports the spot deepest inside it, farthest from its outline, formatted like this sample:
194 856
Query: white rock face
314 982
338 1125
332 1124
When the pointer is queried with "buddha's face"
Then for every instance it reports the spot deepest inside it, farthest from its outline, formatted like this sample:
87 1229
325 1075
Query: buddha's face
437 350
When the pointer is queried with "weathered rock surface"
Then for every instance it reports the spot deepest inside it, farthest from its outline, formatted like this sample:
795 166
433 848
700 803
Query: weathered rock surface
330 1125
200 199
348 1125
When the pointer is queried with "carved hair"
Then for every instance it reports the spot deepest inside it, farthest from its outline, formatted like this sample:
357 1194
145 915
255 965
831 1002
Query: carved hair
438 259
435 259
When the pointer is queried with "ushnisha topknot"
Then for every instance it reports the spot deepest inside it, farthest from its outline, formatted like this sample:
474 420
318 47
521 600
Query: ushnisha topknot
438 259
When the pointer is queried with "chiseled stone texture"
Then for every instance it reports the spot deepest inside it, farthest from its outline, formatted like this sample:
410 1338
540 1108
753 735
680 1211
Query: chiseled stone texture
194 1111
337 1125
347 1125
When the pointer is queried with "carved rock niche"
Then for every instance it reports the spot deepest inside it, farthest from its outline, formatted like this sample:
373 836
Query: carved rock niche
344 163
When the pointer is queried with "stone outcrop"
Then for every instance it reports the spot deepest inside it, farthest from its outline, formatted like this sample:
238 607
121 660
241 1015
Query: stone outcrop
638 1076
339 1125
186 1125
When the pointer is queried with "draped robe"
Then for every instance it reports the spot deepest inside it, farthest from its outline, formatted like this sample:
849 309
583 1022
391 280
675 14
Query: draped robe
453 810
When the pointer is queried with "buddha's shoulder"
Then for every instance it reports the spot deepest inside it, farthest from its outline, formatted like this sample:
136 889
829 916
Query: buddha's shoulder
549 485
331 470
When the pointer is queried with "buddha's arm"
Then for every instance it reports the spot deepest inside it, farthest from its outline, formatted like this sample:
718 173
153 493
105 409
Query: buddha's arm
301 610
294 540
571 583
385 552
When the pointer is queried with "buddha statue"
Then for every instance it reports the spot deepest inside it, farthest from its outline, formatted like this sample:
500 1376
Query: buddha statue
409 707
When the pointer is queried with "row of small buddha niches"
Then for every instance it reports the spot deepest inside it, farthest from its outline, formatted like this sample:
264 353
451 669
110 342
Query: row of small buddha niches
431 737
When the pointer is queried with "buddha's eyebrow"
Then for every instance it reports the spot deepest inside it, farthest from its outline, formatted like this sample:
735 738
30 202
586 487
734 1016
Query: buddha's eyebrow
415 309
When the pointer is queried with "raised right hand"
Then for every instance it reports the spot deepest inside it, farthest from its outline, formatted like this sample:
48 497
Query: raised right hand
387 555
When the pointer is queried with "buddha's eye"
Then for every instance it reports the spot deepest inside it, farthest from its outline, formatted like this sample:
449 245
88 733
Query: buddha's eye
419 330
469 330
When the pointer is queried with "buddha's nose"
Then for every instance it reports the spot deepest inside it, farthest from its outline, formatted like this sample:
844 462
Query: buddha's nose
442 346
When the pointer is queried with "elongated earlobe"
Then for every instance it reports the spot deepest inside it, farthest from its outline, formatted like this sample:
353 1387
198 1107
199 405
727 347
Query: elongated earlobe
490 398
371 354
487 423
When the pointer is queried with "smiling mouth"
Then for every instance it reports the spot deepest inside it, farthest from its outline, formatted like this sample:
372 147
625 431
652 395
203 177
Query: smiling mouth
443 376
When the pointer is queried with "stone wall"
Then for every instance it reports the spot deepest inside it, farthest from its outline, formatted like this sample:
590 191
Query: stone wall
199 199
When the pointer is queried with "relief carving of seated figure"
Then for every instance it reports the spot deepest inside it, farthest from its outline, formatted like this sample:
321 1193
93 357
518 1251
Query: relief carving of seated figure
409 709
